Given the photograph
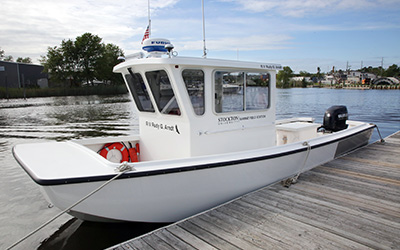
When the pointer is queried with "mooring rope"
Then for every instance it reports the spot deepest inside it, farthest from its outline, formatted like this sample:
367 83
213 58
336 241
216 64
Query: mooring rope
293 180
124 167
377 129
304 163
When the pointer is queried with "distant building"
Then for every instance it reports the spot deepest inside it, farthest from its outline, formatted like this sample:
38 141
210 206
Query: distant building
351 77
329 80
358 77
18 75
386 81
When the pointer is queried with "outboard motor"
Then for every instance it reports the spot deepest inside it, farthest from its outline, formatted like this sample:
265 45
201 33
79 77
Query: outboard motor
335 118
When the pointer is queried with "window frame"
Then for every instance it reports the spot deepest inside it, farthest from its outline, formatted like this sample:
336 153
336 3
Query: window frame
134 93
173 99
203 91
245 73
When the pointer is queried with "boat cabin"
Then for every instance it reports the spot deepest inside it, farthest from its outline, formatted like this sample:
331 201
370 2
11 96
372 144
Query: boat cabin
196 106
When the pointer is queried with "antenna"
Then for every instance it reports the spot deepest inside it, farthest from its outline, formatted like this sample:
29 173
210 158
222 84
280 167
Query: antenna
148 10
204 32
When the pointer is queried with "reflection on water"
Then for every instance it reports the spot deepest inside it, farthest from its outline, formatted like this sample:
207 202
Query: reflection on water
61 118
22 207
95 235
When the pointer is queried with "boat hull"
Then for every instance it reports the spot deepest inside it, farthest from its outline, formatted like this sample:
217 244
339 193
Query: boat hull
192 187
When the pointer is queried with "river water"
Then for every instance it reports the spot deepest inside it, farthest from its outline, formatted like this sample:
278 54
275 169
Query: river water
22 207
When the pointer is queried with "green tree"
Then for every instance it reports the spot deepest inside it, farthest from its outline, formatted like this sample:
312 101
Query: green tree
284 77
392 71
106 62
303 83
89 50
56 65
84 60
304 73
8 58
24 60
4 57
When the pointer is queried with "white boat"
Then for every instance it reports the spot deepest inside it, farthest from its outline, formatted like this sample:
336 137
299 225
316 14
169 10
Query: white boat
198 145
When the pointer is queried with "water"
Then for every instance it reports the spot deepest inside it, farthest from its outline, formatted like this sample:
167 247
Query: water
381 107
22 207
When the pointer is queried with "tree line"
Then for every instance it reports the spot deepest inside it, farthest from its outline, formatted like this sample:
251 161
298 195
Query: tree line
283 76
9 58
85 60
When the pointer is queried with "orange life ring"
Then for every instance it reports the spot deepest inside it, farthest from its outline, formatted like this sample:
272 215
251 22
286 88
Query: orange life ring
117 145
134 153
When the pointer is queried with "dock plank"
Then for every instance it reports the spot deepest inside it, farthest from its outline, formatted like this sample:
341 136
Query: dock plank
205 235
245 230
291 232
356 186
380 208
174 241
223 233
350 203
190 238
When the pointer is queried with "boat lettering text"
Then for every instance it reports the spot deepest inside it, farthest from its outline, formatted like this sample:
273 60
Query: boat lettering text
160 42
271 66
161 126
252 117
228 119
234 119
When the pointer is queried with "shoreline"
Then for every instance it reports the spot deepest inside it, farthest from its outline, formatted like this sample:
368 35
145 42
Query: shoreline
352 86
14 93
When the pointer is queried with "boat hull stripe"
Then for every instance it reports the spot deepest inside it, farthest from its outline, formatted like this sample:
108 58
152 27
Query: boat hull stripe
64 181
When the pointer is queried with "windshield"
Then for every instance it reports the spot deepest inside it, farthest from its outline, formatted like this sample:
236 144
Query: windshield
162 92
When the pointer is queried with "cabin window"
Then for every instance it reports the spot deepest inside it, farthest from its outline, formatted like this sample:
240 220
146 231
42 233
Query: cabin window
229 91
241 91
257 91
194 83
162 92
139 92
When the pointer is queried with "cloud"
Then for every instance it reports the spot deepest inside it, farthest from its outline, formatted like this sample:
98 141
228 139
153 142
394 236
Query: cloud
28 27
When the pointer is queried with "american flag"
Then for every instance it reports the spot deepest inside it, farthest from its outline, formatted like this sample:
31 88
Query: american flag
146 34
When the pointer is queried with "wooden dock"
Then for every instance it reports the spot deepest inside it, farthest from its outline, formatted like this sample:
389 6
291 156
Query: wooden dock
350 203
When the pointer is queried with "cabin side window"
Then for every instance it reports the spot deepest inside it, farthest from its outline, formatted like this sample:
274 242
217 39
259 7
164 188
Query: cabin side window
229 91
241 91
257 91
139 92
162 92
194 83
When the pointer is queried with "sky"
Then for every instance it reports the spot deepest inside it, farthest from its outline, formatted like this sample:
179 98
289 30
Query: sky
301 34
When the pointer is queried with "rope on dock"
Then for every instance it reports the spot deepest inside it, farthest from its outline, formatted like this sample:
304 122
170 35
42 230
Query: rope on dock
377 129
293 180
124 167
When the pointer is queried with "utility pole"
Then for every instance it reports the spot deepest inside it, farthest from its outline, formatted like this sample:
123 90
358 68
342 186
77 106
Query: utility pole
7 87
361 73
23 84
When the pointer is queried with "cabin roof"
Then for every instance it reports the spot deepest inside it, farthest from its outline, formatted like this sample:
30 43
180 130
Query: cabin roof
200 62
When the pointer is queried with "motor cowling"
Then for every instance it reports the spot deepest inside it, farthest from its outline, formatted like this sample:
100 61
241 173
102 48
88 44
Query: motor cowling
335 118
